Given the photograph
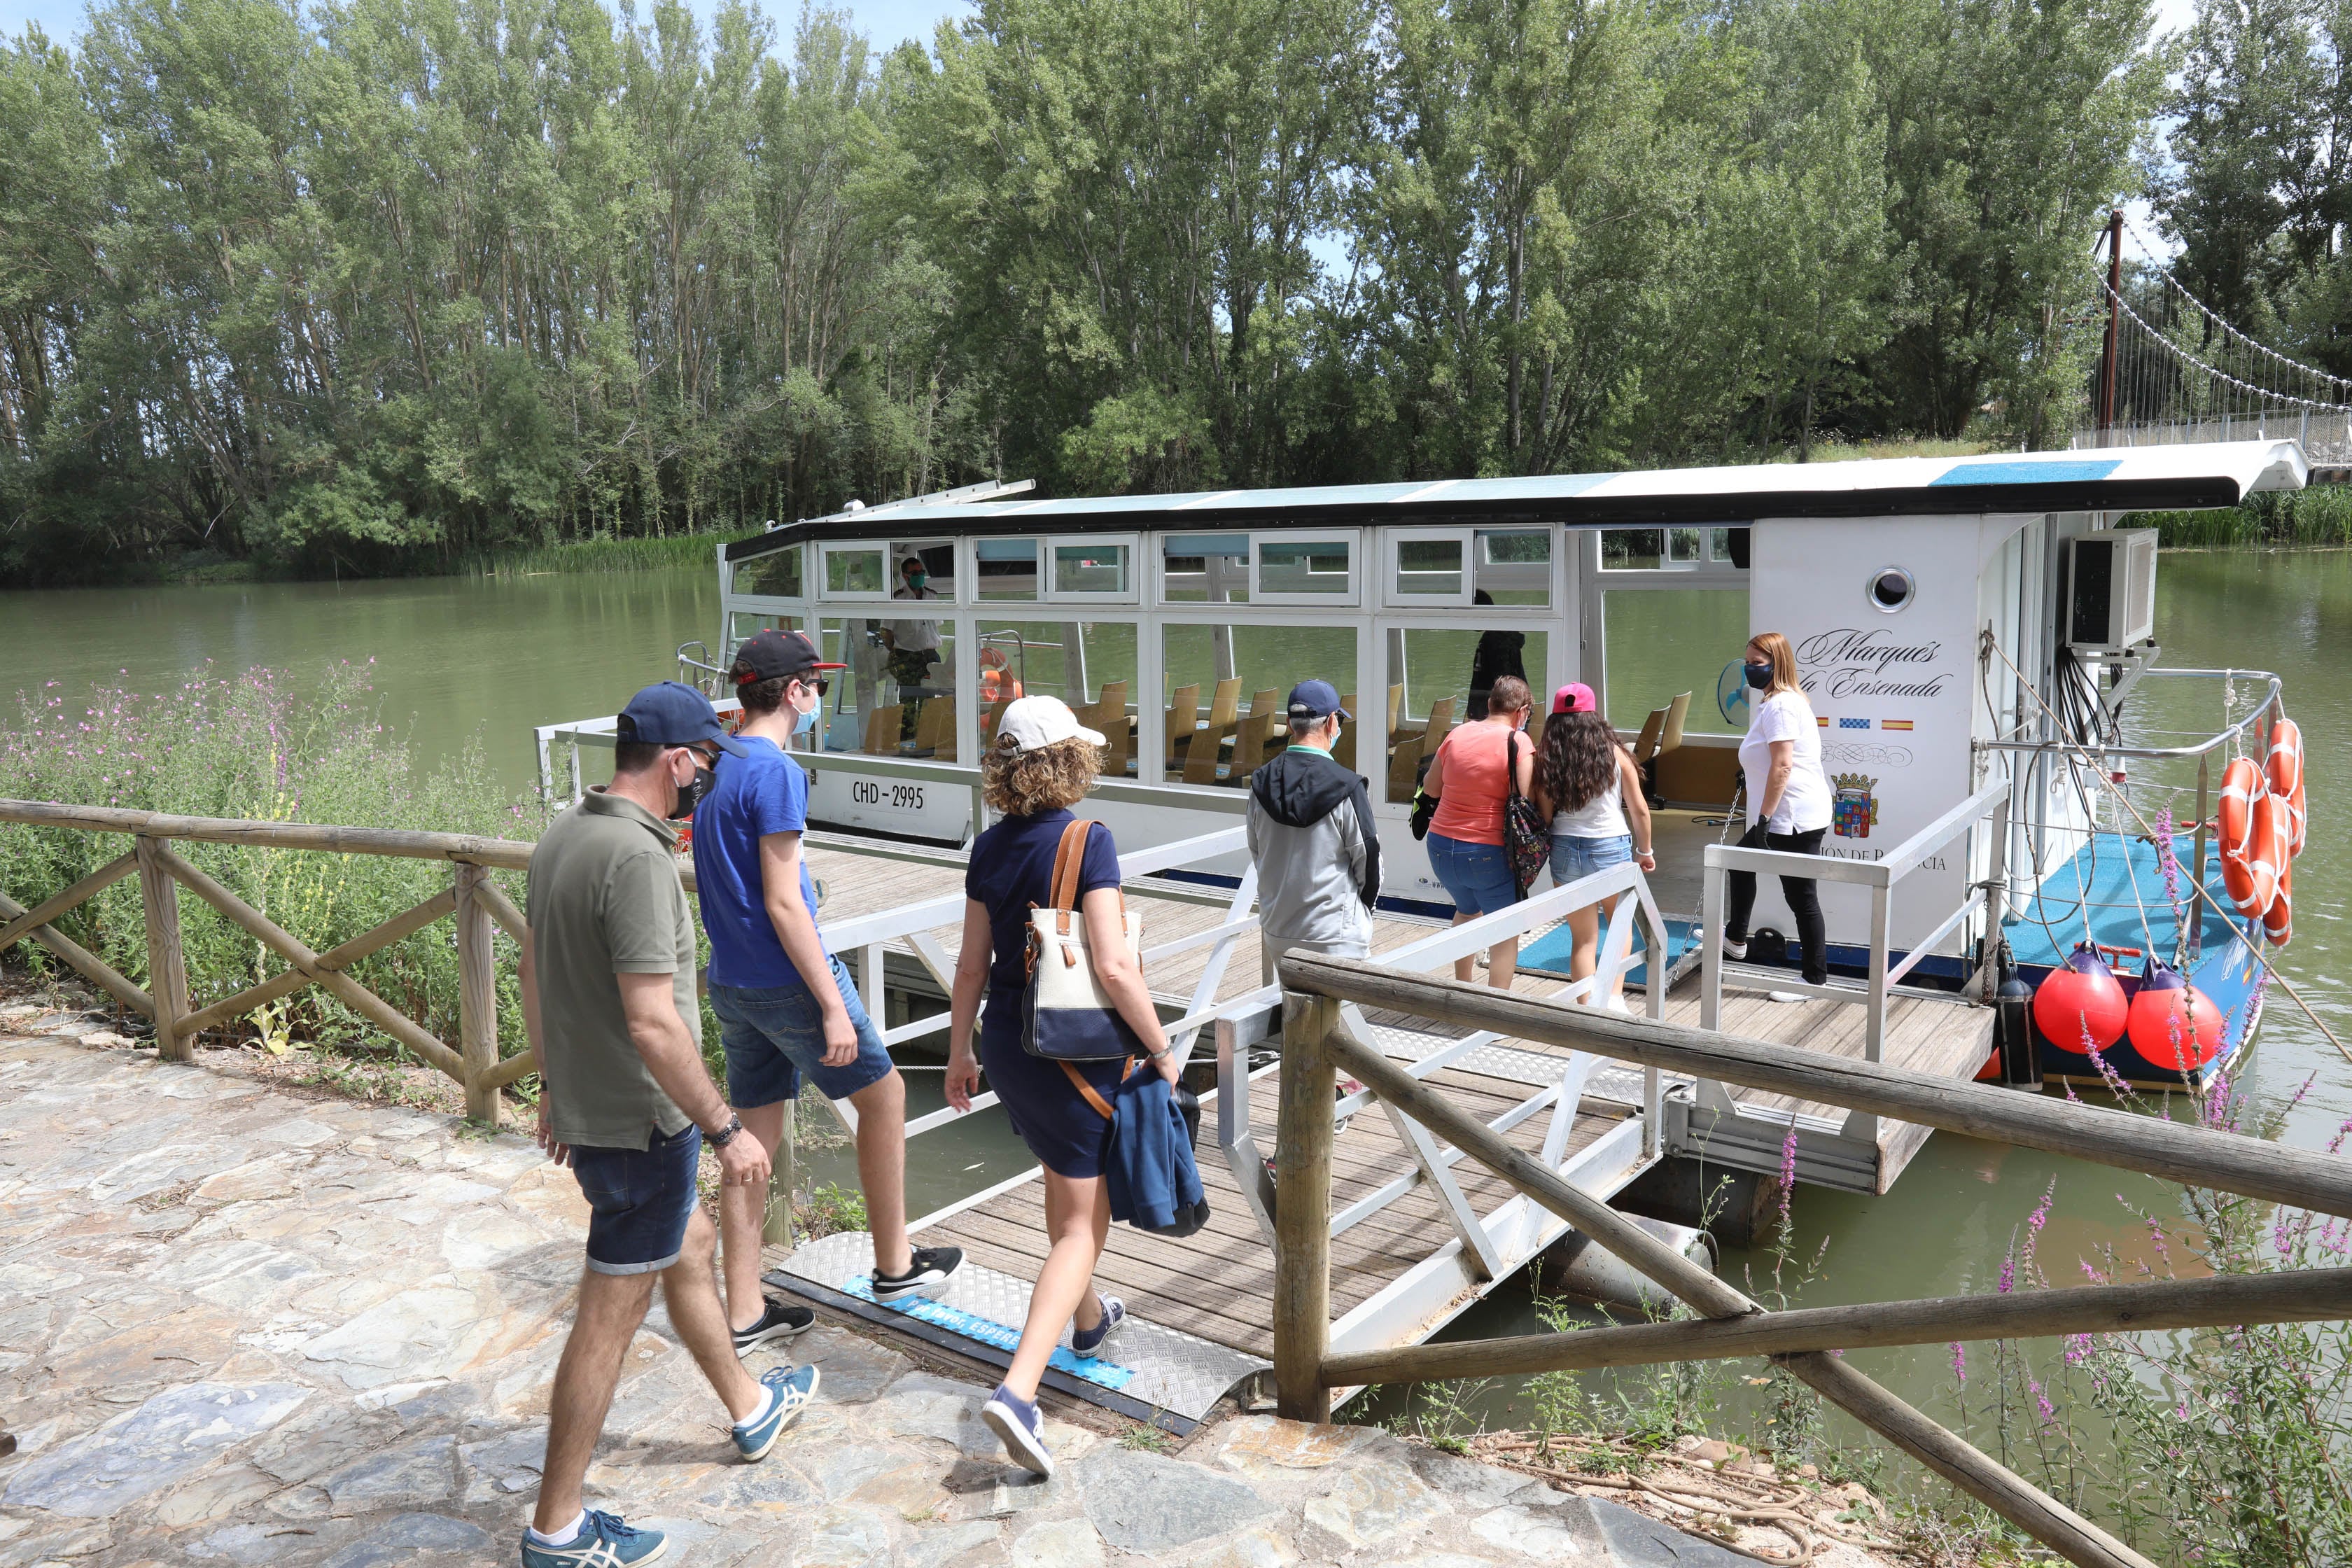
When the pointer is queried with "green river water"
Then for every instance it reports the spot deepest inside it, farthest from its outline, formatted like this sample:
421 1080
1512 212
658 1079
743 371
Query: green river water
457 656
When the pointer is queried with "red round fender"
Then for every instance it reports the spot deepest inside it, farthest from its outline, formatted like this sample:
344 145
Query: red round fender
2081 1006
2173 1025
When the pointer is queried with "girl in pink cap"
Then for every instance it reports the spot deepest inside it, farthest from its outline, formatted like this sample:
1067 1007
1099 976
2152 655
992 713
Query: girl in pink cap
1586 783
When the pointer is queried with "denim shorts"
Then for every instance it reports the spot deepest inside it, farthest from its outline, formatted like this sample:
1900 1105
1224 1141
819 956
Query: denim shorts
1573 858
639 1201
774 1033
1474 875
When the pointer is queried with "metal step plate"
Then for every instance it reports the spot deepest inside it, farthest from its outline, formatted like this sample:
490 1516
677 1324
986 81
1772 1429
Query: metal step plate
1155 1374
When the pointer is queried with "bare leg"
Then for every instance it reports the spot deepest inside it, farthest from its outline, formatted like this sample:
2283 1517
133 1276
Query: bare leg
1502 963
1603 912
742 1214
1077 1219
1465 968
882 1169
611 1307
691 1290
1584 928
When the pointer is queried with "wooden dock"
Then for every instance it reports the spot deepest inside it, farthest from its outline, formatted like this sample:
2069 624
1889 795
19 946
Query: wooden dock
1418 1235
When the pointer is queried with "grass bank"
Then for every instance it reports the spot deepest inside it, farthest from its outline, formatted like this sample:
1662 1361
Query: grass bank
2317 518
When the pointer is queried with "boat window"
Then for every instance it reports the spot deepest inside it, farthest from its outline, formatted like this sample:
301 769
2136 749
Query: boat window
1005 568
744 623
1513 566
855 572
896 699
1091 665
1662 643
1438 679
1225 690
1291 569
1204 568
1430 567
1672 549
1094 569
934 559
775 575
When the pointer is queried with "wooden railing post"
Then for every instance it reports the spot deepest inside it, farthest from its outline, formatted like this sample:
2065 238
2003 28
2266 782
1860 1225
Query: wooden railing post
478 997
777 1229
167 970
1302 1209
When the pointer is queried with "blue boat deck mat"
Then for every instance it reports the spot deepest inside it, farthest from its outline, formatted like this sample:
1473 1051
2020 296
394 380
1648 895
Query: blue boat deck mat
2044 929
1109 1374
1552 950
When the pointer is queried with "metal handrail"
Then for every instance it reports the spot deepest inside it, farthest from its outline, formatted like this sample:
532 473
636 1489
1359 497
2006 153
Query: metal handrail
2102 748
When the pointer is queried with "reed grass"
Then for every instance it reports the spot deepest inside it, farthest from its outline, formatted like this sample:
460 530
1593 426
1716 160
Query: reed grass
2318 517
665 552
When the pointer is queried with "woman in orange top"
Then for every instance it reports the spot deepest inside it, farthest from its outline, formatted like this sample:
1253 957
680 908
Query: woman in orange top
1468 780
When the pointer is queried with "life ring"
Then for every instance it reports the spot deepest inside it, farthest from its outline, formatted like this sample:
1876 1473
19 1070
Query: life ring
2284 773
2243 790
996 681
2252 878
2278 920
2242 787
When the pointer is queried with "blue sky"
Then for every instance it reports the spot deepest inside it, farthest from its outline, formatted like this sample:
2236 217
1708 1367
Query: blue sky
884 21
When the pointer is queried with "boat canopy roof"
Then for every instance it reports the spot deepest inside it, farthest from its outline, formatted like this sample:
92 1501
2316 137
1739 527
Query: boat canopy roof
2177 477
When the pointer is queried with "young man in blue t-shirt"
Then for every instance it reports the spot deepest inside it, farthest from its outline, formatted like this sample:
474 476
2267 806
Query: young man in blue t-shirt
786 1008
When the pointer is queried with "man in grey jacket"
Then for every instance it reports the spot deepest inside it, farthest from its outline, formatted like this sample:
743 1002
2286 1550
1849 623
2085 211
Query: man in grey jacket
1312 837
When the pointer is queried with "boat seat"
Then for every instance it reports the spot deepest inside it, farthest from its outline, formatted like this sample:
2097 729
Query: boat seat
1646 744
1184 713
935 735
1404 767
882 729
1225 717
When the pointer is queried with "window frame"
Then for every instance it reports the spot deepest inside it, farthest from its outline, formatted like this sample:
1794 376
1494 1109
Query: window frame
827 549
1351 597
1049 544
1392 594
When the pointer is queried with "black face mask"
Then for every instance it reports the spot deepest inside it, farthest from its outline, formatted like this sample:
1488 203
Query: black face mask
1759 676
692 793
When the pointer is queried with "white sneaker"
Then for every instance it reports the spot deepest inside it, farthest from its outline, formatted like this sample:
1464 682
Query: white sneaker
1617 1005
1783 997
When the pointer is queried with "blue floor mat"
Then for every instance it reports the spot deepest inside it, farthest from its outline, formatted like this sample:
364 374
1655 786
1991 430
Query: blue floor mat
2044 929
1552 950
1107 1375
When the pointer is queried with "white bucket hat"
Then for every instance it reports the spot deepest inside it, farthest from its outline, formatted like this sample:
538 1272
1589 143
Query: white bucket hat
1030 722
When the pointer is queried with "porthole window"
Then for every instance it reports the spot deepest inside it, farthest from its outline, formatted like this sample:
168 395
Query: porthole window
1891 588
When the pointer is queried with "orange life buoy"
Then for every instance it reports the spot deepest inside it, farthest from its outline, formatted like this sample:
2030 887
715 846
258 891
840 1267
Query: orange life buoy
2284 773
2243 788
998 683
2278 920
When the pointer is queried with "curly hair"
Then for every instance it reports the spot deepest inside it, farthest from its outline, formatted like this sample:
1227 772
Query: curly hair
1022 783
1578 762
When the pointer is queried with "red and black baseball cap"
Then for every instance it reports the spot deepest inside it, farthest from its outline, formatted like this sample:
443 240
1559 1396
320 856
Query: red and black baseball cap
768 654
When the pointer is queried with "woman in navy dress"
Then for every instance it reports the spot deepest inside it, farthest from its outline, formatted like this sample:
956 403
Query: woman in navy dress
1042 763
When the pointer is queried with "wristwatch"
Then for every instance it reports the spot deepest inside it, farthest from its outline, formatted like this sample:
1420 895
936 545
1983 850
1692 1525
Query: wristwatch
725 1135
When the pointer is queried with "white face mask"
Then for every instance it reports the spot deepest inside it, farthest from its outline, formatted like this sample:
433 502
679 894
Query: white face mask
807 723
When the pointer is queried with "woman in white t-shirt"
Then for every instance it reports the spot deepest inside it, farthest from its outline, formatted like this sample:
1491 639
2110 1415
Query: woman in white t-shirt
1788 798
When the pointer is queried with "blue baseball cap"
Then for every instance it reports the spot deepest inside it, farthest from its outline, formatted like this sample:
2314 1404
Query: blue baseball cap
671 713
1313 700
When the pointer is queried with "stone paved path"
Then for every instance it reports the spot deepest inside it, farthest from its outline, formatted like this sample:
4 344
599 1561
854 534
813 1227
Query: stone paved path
240 1326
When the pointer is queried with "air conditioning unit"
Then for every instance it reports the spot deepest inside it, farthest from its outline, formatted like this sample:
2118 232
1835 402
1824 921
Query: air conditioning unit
2111 588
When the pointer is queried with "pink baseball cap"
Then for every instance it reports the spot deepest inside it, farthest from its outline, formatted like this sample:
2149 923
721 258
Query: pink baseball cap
1574 698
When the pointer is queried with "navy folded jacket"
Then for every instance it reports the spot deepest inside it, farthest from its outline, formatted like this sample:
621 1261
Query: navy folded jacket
1154 1185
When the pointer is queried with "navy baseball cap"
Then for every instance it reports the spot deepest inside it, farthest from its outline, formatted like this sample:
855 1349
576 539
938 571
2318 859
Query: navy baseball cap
670 714
1314 699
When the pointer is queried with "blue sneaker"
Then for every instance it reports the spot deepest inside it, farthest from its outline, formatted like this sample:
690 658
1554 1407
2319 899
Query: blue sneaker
1090 1346
603 1542
792 1388
1020 1428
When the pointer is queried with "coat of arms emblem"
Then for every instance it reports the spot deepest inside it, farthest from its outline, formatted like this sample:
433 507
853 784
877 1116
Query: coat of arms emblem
1854 808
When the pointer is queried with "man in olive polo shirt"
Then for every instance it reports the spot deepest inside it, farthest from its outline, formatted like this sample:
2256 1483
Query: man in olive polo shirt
608 1001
